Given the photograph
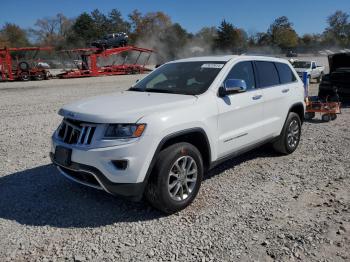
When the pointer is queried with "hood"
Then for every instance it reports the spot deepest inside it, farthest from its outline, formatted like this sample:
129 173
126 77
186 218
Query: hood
124 107
341 60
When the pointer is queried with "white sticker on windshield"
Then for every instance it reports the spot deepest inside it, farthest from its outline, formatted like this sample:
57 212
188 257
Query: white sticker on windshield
212 66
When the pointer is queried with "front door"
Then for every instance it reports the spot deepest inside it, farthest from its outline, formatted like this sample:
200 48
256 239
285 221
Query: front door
240 118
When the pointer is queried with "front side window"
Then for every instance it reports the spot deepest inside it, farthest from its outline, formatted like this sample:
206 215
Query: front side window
243 71
267 73
285 73
186 78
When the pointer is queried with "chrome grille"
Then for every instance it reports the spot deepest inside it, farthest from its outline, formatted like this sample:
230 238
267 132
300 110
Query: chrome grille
76 132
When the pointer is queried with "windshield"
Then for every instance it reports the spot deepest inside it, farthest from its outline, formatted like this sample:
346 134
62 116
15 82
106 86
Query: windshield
186 78
301 64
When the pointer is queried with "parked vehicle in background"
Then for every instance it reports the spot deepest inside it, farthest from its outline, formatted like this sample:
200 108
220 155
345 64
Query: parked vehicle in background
159 137
336 84
111 41
41 64
291 54
311 68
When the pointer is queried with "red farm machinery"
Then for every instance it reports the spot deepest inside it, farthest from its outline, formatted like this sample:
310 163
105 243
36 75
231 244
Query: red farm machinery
100 62
16 64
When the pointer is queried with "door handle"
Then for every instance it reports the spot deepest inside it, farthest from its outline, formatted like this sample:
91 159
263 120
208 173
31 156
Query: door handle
257 97
285 90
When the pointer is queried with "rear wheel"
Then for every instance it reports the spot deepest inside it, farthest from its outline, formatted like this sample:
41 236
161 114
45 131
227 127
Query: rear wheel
24 76
289 138
176 178
326 117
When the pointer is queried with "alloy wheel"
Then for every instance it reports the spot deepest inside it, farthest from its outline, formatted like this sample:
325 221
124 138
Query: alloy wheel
293 134
182 178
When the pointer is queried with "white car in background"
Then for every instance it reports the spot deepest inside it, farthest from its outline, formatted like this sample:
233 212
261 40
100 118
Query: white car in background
313 70
161 136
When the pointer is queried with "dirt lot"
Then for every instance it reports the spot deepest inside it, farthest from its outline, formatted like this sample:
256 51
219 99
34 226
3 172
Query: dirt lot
258 207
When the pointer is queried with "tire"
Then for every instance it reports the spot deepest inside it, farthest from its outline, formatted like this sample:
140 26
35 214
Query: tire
167 181
24 76
326 117
24 66
309 115
333 116
289 138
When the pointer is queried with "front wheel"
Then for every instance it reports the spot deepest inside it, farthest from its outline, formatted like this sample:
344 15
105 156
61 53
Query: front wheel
289 138
176 178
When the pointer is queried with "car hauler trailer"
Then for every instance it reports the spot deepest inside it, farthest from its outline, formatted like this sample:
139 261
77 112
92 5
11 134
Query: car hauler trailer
89 63
14 66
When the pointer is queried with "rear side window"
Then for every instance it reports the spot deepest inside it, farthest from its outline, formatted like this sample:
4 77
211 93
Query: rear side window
285 73
267 73
243 71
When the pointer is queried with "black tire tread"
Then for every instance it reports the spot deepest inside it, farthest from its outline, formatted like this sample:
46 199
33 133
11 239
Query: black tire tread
152 192
280 144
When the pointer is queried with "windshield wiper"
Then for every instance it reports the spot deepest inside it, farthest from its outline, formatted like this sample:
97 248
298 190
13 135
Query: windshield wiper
135 89
154 90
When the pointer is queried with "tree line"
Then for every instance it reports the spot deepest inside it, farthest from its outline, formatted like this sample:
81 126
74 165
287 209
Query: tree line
156 30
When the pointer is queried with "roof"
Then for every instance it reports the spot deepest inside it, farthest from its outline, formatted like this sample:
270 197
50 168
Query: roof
226 58
223 58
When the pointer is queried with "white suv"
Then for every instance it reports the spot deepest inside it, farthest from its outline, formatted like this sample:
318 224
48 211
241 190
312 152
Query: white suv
158 138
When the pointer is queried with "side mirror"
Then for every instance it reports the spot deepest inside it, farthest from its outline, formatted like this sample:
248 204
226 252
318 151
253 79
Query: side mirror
232 86
137 80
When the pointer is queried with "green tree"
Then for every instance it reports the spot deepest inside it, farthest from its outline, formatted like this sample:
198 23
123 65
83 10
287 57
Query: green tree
230 37
83 30
263 39
175 38
101 23
13 36
338 30
3 42
117 23
282 33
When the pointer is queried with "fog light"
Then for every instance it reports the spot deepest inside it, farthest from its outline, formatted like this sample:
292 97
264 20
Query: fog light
120 164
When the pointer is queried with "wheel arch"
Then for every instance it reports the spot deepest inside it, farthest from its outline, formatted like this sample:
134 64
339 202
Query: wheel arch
298 108
195 136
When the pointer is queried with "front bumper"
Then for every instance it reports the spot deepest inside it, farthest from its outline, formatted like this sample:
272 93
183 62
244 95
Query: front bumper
95 167
92 177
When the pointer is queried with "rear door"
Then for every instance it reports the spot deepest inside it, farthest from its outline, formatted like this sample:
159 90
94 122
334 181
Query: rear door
277 82
240 114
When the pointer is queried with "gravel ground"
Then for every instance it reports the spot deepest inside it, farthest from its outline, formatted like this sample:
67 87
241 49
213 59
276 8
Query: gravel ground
258 207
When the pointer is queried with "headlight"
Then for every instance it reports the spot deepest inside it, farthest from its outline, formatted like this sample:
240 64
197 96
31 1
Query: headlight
124 130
